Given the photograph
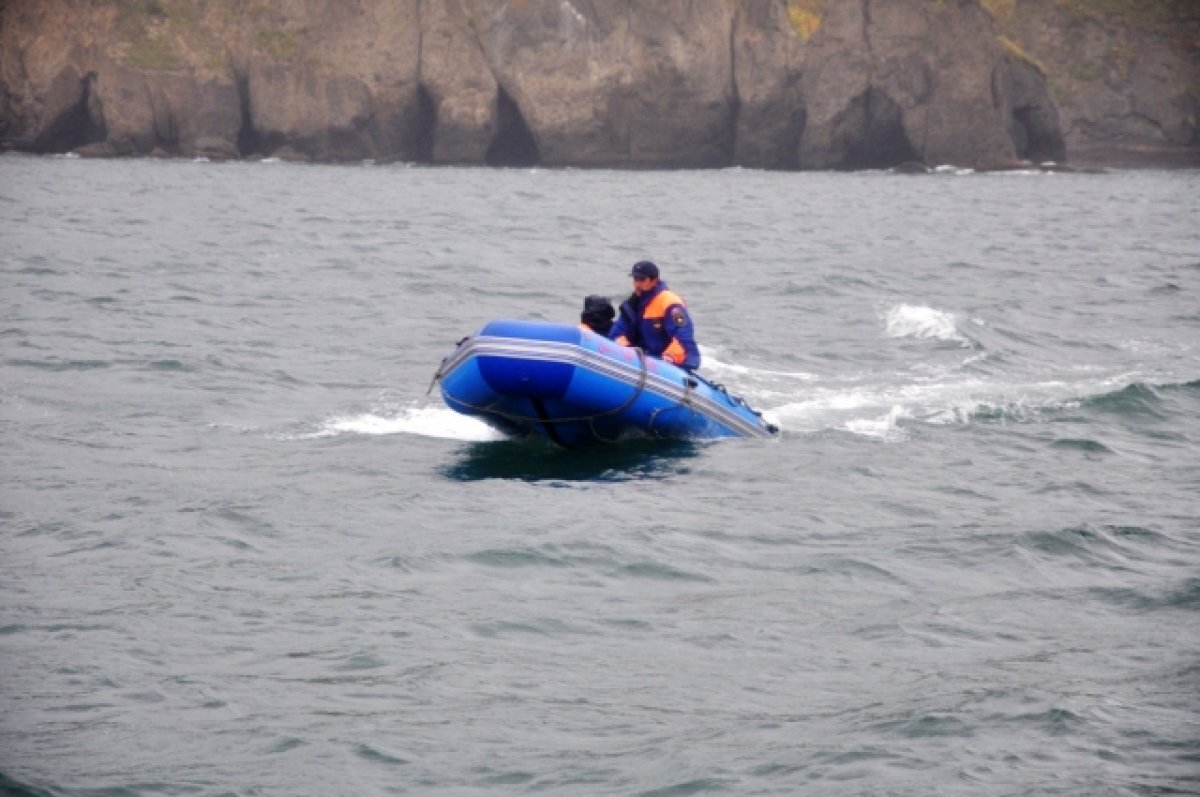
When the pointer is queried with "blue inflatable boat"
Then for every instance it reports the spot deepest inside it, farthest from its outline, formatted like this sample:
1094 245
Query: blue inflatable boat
578 388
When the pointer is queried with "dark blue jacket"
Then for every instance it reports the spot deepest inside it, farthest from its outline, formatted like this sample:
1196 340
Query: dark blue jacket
658 322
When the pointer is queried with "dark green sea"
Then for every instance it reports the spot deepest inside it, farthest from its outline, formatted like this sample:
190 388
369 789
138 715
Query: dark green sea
243 551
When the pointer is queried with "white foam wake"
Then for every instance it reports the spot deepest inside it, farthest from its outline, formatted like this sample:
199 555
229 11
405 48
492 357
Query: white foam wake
425 421
881 411
886 427
918 321
712 365
866 411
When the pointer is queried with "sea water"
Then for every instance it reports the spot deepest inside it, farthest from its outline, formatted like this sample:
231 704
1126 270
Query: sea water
245 550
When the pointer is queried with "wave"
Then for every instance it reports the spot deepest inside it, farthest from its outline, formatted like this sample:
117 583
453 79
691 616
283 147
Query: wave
1185 387
59 365
886 427
1106 546
1136 399
16 788
922 323
1083 445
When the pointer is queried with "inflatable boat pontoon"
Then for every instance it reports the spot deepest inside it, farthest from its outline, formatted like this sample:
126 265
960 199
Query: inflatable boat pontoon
578 388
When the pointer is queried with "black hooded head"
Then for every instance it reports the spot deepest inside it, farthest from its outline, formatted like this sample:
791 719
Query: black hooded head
598 313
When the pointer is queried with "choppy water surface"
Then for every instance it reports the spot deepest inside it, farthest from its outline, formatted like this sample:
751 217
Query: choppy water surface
244 552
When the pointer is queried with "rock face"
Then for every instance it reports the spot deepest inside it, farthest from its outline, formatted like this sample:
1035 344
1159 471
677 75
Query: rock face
811 84
909 80
1125 77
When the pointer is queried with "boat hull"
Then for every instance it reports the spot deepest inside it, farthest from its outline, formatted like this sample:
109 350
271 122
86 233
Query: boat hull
577 388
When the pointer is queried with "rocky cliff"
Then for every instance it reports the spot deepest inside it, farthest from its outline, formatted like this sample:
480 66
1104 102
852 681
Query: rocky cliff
808 84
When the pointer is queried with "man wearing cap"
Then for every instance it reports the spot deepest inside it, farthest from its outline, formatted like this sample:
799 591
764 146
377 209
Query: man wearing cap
656 320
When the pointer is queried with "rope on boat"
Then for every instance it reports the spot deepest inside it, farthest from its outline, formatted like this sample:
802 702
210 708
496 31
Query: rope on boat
689 389
442 367
739 402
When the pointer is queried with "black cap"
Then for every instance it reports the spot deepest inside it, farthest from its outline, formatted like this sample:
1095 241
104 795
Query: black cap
644 268
600 305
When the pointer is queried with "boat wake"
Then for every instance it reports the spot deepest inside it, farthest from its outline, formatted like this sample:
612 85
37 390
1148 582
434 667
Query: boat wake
887 412
439 422
891 411
882 411
888 405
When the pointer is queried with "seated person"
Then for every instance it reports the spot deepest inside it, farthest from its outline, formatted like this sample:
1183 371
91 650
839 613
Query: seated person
656 320
597 315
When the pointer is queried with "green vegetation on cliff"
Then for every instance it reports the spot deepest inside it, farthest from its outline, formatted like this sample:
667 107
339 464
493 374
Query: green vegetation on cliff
173 35
1098 43
1018 52
145 29
169 35
278 45
1175 20
805 16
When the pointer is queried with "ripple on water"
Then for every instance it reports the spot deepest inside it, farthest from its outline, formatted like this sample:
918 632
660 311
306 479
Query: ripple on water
1183 595
660 571
1083 445
545 626
1106 546
60 365
510 557
377 756
169 365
